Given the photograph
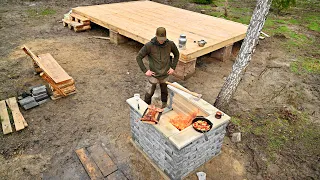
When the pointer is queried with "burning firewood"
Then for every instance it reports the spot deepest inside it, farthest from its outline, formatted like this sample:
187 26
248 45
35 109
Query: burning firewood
182 121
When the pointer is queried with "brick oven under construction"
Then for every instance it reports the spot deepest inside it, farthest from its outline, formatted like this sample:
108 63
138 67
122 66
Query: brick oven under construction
177 153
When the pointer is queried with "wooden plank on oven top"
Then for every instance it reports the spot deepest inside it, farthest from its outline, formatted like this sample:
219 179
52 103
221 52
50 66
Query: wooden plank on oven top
187 106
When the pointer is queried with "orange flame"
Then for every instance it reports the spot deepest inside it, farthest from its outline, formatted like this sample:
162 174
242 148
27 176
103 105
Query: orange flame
183 121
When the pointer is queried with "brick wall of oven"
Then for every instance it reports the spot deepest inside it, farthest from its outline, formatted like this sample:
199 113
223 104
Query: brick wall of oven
174 162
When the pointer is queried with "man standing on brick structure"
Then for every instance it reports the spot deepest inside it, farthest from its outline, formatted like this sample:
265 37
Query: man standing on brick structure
161 64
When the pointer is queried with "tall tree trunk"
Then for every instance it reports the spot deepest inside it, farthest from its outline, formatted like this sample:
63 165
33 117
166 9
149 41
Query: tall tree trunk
226 8
248 46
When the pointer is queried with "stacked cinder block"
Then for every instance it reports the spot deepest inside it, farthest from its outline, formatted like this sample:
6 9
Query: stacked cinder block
174 162
38 95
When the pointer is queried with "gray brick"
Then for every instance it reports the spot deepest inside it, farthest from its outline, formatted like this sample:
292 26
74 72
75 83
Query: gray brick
43 101
26 100
41 97
30 105
37 88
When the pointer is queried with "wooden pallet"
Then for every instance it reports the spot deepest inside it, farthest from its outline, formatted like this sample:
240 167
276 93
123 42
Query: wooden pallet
60 82
80 19
98 163
18 120
76 22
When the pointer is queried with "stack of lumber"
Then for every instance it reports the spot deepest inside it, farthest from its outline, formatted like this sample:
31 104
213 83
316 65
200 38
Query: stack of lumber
77 22
60 82
9 108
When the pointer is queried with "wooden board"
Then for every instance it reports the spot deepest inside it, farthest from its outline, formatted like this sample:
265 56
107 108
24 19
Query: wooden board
102 159
186 106
4 116
51 67
91 168
178 110
72 23
81 18
138 20
19 121
66 84
58 97
83 28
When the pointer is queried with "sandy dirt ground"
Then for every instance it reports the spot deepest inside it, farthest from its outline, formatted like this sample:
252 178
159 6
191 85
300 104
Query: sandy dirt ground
106 75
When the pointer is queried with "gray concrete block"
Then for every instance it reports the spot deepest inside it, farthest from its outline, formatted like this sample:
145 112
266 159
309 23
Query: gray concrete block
30 105
26 100
236 137
43 101
40 97
39 90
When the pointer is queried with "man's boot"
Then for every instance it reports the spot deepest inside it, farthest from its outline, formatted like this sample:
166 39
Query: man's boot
164 105
149 93
164 94
147 98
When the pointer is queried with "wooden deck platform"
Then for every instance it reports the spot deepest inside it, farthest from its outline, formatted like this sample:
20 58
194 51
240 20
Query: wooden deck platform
138 20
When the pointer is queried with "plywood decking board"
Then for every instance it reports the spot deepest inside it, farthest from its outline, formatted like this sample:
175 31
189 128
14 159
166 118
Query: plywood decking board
49 65
138 20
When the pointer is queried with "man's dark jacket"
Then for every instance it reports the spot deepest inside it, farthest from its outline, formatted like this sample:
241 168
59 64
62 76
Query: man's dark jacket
159 57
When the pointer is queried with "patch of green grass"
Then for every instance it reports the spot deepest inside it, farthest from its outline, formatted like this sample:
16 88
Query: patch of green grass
202 1
314 26
282 30
306 65
312 22
293 21
281 130
219 2
1 119
204 7
243 10
242 19
47 11
269 23
32 12
294 67
216 14
10 114
294 40
40 12
280 21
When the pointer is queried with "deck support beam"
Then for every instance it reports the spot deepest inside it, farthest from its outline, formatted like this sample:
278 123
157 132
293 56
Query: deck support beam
184 70
117 38
223 54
